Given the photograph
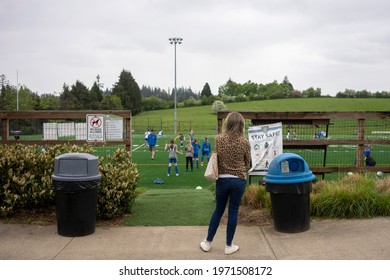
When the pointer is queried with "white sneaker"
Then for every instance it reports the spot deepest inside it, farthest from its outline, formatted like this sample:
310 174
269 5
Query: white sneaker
177 174
231 249
168 175
205 245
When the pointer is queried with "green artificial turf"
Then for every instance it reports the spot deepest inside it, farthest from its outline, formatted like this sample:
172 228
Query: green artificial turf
172 207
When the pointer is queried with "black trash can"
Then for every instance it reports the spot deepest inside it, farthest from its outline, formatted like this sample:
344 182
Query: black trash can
289 183
76 181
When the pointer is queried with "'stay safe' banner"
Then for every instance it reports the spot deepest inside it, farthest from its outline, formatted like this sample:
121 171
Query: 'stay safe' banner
266 143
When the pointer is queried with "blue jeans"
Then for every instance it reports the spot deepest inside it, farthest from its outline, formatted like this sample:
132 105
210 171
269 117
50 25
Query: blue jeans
226 189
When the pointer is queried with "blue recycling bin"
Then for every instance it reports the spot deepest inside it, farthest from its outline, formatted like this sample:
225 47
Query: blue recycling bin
289 183
76 181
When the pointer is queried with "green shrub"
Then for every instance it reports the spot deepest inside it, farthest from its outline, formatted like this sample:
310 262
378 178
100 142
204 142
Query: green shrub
356 196
25 178
217 106
240 98
119 180
190 102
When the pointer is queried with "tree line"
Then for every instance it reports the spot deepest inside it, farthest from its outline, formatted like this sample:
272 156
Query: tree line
127 95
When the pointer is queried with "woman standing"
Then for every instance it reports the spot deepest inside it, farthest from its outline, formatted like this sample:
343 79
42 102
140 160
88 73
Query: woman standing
189 155
172 148
234 157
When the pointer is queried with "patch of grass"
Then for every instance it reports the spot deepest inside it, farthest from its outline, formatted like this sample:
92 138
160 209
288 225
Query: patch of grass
356 196
383 185
257 197
176 202
172 207
140 190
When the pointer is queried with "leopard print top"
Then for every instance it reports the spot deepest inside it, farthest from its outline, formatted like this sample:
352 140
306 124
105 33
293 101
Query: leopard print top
234 155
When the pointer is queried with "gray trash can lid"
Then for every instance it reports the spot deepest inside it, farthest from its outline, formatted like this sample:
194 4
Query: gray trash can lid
288 168
76 167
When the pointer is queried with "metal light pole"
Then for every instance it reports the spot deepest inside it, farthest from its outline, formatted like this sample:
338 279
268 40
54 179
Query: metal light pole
175 41
17 90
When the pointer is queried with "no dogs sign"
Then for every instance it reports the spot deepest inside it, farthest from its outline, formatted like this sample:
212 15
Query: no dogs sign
95 128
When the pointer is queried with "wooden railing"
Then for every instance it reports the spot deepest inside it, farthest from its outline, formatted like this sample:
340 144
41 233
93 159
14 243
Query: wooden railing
6 116
322 119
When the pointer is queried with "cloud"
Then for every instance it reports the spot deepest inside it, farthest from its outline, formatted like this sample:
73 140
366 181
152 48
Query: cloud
326 43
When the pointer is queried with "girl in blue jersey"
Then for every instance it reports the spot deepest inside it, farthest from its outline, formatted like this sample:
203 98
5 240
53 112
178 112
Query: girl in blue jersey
196 147
206 150
152 141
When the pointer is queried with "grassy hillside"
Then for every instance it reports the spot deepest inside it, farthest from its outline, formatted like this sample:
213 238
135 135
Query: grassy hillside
314 105
201 117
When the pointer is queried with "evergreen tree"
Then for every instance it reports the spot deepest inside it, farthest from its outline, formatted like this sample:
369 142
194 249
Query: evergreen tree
7 94
49 102
111 102
28 100
67 99
286 88
206 91
183 94
147 91
8 98
81 94
96 96
287 83
129 92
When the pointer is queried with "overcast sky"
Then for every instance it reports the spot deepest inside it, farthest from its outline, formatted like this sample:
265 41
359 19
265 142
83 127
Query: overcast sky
330 44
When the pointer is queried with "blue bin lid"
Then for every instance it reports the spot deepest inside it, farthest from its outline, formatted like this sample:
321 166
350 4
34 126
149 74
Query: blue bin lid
288 168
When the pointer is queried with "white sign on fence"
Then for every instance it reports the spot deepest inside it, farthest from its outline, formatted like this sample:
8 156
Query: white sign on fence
266 143
95 128
114 127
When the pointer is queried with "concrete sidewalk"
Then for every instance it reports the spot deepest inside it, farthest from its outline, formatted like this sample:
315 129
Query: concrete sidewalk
365 239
